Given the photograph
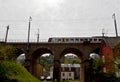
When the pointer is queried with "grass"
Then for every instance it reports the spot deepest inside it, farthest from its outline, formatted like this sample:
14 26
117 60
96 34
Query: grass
11 70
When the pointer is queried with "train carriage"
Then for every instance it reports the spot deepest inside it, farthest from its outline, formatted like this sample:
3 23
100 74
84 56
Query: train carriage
75 39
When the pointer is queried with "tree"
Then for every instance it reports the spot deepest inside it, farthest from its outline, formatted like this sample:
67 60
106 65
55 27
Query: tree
117 55
7 53
46 62
97 65
72 60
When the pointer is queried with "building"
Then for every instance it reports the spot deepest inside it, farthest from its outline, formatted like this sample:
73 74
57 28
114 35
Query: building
70 71
106 52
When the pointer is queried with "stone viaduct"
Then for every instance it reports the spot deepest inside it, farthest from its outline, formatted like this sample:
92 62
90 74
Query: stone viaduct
82 50
58 49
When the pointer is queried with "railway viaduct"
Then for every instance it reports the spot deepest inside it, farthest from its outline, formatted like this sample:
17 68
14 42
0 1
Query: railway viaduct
58 49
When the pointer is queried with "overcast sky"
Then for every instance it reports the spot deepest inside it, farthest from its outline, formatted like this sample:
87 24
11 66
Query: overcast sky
58 18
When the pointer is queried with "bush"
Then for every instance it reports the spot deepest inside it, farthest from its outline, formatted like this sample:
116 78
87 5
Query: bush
7 53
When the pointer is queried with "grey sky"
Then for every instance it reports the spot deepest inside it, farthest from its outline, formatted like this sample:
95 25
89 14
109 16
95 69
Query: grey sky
55 18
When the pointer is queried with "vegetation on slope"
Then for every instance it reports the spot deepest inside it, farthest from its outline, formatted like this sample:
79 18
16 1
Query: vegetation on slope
10 71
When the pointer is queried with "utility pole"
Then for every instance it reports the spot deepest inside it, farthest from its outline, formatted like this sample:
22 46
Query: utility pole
113 16
6 34
38 35
103 32
30 19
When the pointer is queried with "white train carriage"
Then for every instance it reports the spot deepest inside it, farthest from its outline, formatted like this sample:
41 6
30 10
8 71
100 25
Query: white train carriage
75 39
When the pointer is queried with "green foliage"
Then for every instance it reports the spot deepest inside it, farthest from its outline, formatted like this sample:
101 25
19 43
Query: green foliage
97 63
117 55
117 63
11 70
46 61
7 53
74 60
99 75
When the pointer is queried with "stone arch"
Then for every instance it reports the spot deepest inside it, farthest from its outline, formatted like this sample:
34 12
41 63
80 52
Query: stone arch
39 51
72 50
80 56
19 52
34 57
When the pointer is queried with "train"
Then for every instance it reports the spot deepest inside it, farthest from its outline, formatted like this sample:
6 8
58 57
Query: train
75 39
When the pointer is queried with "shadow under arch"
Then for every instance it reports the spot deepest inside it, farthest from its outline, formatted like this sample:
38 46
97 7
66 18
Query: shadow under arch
96 51
19 51
35 56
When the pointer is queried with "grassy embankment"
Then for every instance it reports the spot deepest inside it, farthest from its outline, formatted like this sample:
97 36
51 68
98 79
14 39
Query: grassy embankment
10 71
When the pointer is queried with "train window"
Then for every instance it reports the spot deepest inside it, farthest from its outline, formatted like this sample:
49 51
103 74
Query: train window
76 39
71 39
86 39
95 39
67 39
100 39
81 39
90 39
63 39
59 40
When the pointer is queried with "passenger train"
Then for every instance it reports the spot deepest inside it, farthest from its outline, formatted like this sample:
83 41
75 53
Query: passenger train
75 39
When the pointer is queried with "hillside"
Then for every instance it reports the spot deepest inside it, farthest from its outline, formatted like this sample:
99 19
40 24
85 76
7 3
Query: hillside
11 70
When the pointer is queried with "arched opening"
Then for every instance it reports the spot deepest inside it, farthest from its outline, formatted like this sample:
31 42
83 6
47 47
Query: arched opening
70 67
94 63
20 56
42 63
46 61
96 51
70 64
